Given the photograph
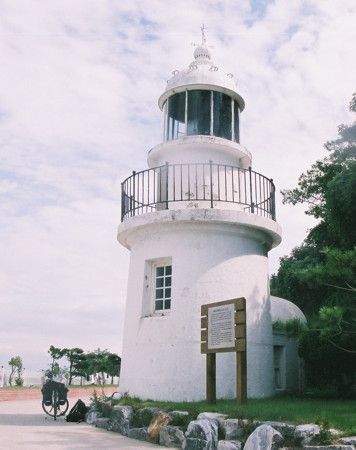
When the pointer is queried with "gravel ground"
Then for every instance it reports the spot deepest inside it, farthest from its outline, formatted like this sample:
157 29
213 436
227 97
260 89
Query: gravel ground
23 425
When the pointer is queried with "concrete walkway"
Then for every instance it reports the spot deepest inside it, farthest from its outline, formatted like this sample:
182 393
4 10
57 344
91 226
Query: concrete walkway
23 425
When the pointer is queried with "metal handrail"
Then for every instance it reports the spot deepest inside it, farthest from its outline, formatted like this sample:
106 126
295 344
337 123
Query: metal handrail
168 186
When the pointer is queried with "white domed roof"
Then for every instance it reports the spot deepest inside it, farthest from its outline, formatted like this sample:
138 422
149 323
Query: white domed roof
202 74
282 309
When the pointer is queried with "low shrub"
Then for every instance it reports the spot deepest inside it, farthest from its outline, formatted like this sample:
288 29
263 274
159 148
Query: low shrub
291 438
325 436
248 426
101 403
183 421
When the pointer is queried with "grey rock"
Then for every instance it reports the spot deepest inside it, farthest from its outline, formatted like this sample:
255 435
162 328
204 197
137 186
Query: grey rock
202 430
138 433
281 427
116 396
348 440
263 438
102 422
229 445
307 432
311 428
233 429
217 417
197 444
122 412
91 416
211 415
121 417
118 427
171 436
175 414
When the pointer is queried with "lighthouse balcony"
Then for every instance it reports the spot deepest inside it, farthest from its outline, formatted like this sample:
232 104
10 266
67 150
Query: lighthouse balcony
197 185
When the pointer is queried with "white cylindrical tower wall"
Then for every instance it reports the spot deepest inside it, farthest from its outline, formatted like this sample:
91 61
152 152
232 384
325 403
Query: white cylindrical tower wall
213 258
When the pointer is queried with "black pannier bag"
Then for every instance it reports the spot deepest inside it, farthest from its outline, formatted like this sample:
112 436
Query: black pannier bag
48 388
77 413
47 393
62 391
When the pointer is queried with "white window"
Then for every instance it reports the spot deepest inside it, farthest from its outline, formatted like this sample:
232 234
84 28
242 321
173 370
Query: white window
162 289
157 287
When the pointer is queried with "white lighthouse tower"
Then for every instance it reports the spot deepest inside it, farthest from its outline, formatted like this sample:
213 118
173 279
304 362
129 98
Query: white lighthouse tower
199 223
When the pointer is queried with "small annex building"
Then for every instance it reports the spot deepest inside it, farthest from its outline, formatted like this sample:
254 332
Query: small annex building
199 223
288 366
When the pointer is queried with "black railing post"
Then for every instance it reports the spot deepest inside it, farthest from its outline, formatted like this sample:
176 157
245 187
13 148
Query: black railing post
273 200
167 168
133 194
211 184
252 205
122 202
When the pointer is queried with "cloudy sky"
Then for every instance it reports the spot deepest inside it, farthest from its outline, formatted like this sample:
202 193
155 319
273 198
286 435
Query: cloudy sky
79 82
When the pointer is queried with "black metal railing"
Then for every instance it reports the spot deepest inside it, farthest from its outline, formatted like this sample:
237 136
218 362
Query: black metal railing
177 186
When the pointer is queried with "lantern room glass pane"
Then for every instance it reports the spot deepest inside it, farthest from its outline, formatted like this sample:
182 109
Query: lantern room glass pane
236 121
222 115
199 112
176 116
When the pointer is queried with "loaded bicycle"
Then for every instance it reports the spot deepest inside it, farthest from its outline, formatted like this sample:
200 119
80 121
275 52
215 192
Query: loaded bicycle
54 397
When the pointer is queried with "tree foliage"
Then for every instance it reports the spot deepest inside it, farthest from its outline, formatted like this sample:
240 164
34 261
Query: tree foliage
320 275
84 364
16 371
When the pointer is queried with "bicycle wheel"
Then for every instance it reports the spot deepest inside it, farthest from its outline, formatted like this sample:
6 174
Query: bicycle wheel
55 409
48 409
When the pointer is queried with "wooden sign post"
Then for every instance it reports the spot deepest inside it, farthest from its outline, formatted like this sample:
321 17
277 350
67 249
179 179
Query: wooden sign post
223 329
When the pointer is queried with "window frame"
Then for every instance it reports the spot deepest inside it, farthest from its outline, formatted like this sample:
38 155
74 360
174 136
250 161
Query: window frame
149 287
161 264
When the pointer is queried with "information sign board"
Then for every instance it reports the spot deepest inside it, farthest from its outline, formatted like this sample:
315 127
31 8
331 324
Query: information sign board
221 326
223 329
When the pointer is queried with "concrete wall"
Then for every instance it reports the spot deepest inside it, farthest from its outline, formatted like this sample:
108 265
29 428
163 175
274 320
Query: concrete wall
291 364
202 149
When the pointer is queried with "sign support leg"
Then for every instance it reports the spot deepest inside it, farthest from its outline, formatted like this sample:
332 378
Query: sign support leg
241 378
211 377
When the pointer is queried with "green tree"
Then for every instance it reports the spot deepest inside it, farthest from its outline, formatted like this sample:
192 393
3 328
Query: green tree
81 367
97 362
103 362
113 365
328 188
16 371
83 364
74 357
319 275
56 354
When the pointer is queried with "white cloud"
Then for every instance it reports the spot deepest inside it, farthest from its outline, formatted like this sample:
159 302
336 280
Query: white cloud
79 82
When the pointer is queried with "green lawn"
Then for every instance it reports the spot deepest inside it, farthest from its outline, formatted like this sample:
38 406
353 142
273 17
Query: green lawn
340 414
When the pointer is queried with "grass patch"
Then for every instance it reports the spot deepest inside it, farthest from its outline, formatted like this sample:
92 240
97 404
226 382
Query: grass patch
340 414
